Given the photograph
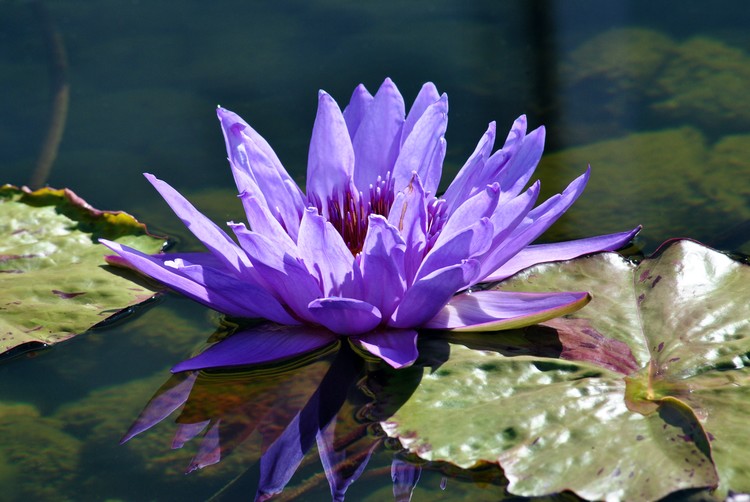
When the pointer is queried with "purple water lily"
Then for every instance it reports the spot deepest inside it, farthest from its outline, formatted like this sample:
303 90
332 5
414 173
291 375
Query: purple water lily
370 251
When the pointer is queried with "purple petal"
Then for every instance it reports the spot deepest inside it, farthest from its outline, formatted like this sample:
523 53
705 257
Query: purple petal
327 257
397 347
494 310
263 222
469 179
427 95
230 120
559 251
482 205
356 109
409 215
422 148
208 286
259 345
383 265
345 316
214 238
539 219
281 270
258 172
330 163
428 295
506 218
469 243
493 168
377 141
520 167
168 398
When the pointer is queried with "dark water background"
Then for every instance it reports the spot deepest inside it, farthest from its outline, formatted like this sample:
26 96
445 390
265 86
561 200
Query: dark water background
652 94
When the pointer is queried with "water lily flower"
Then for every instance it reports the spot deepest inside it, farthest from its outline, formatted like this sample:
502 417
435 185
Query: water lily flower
370 250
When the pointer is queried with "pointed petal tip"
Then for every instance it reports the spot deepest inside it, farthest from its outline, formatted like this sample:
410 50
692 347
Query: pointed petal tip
493 310
430 86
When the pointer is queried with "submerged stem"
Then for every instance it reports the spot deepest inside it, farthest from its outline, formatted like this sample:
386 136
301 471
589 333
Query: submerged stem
58 64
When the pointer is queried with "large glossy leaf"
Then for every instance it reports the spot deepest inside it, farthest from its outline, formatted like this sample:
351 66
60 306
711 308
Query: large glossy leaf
54 282
578 422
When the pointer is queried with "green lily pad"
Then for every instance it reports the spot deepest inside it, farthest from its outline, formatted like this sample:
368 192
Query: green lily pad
54 283
679 322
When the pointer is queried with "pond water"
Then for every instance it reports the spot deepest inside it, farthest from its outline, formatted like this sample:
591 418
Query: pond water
652 94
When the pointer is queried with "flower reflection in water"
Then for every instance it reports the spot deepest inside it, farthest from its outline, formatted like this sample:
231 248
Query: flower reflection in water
332 396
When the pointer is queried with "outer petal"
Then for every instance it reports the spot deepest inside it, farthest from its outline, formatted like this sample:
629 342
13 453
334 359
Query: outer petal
229 120
326 257
428 95
330 164
499 160
281 270
214 238
263 222
409 215
469 179
521 165
481 205
421 146
383 265
539 219
356 109
214 289
345 316
506 218
397 347
428 295
377 141
257 171
471 242
494 310
558 251
263 344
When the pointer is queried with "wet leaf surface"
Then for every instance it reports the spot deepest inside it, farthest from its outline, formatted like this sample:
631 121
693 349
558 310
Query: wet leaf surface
54 283
645 396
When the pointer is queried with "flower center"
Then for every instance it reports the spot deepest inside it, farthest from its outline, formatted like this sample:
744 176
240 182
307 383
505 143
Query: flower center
349 214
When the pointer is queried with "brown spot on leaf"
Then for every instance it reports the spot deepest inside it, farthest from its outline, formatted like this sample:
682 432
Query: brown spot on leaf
582 342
